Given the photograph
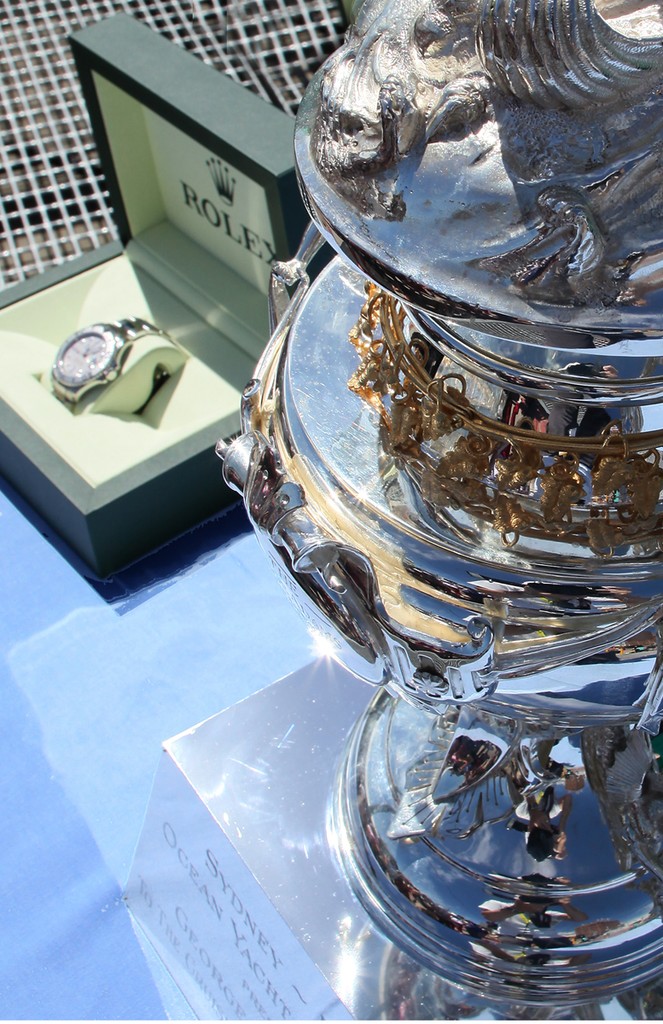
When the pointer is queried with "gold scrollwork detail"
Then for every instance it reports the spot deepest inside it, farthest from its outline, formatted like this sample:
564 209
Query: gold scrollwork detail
562 487
602 491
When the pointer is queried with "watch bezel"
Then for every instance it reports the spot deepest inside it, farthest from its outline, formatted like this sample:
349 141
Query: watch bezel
71 391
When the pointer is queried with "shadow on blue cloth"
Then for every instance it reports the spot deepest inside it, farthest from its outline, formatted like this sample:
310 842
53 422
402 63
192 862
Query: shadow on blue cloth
158 569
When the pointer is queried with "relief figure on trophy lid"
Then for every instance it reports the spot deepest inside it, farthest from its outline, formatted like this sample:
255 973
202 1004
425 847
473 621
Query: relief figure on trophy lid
555 107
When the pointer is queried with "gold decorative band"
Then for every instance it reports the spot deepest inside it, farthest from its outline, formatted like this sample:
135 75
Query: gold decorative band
601 491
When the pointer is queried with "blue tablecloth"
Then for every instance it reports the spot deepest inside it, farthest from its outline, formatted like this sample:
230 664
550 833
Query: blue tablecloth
94 676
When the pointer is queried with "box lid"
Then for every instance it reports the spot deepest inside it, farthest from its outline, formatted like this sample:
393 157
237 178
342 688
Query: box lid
192 159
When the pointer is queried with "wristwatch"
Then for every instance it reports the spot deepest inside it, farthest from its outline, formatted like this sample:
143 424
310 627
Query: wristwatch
94 356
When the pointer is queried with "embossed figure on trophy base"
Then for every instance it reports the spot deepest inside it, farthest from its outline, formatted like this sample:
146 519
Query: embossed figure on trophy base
512 860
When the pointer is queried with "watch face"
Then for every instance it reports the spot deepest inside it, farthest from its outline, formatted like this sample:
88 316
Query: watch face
84 357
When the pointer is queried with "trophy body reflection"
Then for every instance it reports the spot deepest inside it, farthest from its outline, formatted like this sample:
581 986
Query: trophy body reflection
452 453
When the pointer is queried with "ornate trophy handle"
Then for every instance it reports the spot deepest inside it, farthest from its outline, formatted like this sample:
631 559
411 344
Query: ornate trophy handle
288 284
342 580
292 274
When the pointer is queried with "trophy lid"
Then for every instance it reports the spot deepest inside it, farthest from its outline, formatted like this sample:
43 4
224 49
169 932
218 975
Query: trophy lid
497 167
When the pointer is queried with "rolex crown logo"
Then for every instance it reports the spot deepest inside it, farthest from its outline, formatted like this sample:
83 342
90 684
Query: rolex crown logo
224 183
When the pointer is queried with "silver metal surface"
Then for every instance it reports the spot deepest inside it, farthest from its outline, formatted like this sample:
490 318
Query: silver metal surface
416 592
444 620
260 776
467 499
517 862
474 178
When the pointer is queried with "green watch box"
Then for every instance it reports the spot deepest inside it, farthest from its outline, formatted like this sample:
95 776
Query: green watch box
204 194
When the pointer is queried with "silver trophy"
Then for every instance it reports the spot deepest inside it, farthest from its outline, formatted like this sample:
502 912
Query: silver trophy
452 452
